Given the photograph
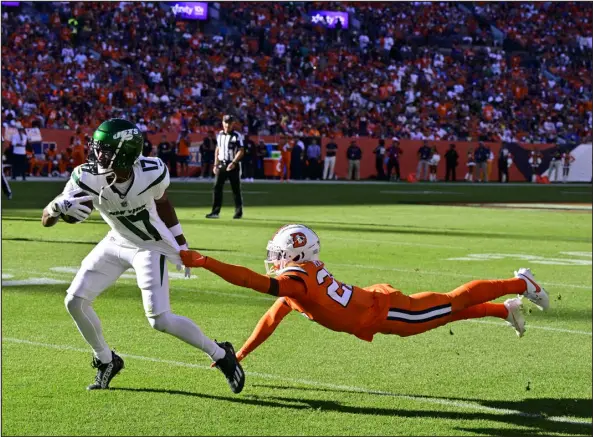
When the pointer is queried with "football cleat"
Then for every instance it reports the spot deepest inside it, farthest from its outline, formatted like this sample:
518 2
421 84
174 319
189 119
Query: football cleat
515 317
231 368
212 215
535 293
106 372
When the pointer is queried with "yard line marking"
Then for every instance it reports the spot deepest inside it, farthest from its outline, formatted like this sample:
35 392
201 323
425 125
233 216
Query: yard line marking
529 326
353 389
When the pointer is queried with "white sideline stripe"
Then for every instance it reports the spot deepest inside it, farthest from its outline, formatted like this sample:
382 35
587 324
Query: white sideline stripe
426 400
529 326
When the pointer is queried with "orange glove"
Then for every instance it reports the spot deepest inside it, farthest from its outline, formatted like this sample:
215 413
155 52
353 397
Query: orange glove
191 258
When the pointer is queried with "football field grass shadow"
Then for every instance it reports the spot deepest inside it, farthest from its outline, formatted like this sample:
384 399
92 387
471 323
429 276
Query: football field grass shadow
537 424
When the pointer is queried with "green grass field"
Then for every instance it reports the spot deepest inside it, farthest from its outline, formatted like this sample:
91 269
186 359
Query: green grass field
467 378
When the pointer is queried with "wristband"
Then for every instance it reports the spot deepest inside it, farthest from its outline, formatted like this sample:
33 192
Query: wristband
176 230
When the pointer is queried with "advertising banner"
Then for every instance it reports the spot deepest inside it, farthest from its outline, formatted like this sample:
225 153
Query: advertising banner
330 18
190 10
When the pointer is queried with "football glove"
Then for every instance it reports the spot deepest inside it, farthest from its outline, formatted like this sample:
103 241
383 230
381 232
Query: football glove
187 271
68 204
191 258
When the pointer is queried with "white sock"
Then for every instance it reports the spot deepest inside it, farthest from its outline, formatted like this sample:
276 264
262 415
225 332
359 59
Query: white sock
186 330
89 325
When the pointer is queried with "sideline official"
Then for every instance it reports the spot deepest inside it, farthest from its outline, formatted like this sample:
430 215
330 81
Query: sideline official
227 165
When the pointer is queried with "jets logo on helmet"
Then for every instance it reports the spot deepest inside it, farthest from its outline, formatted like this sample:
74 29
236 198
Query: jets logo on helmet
126 135
291 243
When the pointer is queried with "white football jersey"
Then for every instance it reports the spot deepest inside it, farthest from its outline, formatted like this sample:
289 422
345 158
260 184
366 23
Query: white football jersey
132 215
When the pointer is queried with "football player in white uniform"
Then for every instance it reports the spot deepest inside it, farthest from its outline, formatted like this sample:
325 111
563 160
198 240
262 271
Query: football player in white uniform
130 193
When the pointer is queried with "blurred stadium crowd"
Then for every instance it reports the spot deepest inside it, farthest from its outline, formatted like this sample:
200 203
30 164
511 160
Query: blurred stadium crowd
510 71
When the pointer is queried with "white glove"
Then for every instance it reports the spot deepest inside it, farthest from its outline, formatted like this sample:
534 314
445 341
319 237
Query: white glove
67 204
187 272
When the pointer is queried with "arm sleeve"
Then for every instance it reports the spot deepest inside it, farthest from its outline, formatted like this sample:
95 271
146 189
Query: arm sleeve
265 327
244 277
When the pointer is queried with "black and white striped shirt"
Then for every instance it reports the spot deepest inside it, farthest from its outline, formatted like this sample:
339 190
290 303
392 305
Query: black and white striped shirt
228 145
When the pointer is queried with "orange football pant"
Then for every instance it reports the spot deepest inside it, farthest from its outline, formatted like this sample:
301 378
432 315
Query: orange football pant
285 164
421 312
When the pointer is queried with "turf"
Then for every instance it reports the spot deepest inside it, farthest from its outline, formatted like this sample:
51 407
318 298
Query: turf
462 379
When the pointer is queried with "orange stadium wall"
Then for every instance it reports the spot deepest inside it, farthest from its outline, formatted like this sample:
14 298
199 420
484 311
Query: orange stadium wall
408 160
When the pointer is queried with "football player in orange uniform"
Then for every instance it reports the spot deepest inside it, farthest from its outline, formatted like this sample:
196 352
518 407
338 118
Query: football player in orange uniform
303 283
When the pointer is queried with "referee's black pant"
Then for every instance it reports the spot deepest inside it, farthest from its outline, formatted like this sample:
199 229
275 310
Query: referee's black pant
234 176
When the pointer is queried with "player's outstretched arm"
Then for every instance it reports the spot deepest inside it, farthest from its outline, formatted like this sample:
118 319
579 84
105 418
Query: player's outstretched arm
244 277
265 327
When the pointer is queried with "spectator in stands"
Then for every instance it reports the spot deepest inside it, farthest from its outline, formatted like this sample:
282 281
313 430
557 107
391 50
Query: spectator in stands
390 79
354 155
329 162
451 162
380 160
424 153
313 159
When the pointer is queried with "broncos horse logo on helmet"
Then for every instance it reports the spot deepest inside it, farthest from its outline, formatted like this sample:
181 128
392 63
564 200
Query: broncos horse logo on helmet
291 243
115 145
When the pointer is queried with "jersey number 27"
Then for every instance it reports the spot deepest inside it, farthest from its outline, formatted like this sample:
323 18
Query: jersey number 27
333 289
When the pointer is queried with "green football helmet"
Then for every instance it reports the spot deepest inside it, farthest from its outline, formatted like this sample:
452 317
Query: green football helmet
115 145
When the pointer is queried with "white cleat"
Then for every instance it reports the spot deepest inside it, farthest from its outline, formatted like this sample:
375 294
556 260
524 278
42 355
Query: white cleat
515 317
535 293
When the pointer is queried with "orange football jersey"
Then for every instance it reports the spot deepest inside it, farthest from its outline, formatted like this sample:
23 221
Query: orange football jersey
333 304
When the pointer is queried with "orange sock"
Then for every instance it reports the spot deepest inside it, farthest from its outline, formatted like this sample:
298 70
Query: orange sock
477 292
487 309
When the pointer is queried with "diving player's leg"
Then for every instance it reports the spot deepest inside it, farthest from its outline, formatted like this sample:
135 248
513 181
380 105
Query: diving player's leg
153 281
421 312
98 270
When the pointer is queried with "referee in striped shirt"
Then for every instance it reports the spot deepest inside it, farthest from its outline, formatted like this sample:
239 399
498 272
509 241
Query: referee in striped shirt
227 165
